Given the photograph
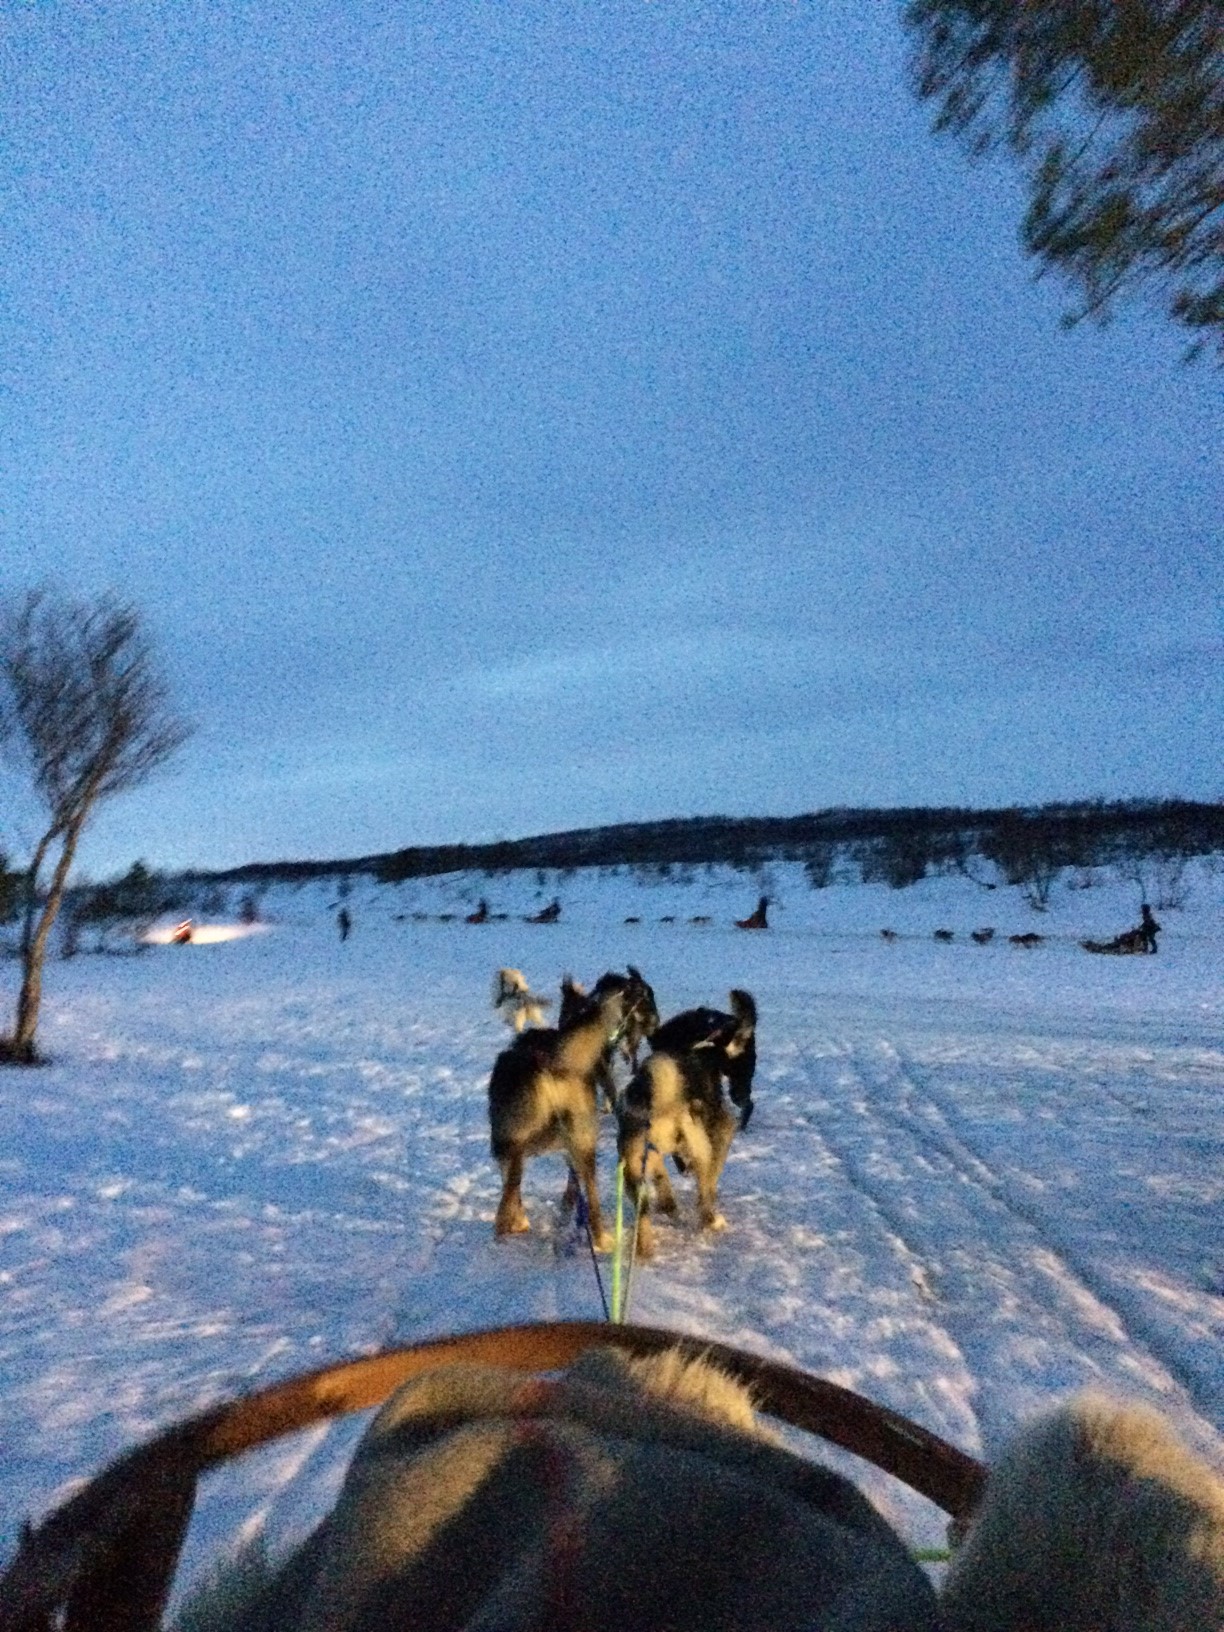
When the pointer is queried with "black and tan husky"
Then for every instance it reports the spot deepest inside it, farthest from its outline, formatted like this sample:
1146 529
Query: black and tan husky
542 1098
674 1106
729 1037
641 1019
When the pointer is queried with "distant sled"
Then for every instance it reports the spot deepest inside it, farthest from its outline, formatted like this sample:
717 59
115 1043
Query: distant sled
1140 940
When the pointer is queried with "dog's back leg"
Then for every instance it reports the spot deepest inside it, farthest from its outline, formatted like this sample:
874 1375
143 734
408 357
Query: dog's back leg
633 1154
665 1196
569 1198
706 1162
605 1083
582 1159
739 1085
511 1218
725 1131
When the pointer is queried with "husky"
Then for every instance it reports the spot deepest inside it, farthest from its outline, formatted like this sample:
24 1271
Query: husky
731 1038
518 1004
542 1097
674 1106
640 1023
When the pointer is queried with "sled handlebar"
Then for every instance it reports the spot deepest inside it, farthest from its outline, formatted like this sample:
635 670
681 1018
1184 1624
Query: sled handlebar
105 1559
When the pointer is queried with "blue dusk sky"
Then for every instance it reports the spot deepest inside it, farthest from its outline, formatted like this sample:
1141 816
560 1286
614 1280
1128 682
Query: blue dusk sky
518 416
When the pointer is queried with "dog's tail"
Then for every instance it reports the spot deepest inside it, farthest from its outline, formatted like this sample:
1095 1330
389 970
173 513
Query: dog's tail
743 1007
741 1054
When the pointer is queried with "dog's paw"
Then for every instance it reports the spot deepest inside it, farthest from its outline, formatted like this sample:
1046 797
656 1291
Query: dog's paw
717 1222
604 1241
516 1226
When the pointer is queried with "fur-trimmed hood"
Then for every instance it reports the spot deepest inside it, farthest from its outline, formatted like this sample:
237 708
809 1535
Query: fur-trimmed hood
623 1493
645 1492
1095 1519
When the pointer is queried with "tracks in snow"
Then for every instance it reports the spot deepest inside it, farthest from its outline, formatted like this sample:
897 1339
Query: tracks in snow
992 1248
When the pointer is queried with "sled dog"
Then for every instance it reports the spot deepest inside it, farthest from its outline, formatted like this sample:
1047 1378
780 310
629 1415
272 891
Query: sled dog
640 1022
730 1038
518 1004
542 1097
674 1106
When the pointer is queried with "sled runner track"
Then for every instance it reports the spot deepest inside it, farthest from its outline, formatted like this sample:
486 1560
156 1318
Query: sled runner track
1202 1386
1007 1295
929 1122
894 1222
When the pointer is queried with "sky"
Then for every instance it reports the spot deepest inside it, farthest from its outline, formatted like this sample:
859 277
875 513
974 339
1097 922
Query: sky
518 417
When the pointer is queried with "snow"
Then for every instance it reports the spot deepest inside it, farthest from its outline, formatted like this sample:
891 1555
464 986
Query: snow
977 1176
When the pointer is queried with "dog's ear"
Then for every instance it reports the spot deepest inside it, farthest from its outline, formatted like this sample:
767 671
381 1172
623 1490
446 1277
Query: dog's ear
636 973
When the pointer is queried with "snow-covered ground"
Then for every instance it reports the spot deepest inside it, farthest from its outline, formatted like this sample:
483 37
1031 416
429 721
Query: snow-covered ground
977 1177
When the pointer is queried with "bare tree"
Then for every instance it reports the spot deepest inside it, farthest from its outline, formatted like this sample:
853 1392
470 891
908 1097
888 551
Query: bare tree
1029 850
82 699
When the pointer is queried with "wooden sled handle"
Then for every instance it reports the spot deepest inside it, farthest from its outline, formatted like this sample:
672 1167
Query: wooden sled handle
105 1559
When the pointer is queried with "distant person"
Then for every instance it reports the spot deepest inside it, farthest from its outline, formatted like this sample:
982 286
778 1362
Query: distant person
1149 929
345 921
757 920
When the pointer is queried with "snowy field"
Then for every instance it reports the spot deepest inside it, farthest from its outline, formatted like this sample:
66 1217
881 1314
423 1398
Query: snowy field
977 1176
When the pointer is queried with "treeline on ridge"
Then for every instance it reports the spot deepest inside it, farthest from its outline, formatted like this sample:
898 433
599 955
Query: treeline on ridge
897 846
